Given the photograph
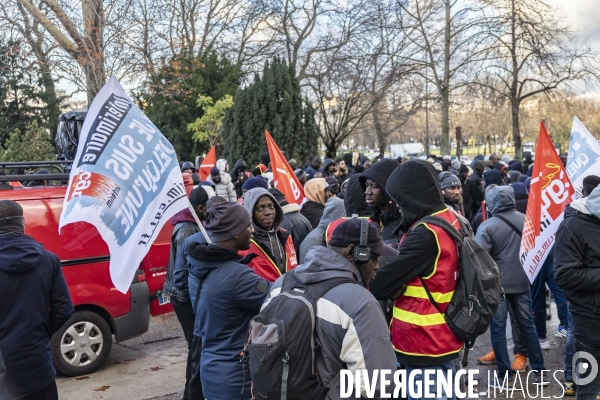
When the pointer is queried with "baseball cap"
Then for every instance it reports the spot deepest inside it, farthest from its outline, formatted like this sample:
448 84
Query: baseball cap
348 232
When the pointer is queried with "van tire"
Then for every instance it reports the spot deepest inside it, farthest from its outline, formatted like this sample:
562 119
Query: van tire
82 345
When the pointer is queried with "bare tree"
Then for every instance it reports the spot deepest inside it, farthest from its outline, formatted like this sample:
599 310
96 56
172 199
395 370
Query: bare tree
535 53
450 36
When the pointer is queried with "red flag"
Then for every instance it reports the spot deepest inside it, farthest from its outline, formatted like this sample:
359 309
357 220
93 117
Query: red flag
283 175
549 194
209 161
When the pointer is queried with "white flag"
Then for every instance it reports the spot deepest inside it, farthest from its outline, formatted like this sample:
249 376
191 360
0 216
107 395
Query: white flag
125 181
584 156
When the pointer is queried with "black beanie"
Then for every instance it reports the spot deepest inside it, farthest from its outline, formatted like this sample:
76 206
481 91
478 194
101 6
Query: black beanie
224 221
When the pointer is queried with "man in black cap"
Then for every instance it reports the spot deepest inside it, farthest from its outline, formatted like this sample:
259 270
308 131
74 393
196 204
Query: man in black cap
383 210
302 176
350 327
451 189
227 294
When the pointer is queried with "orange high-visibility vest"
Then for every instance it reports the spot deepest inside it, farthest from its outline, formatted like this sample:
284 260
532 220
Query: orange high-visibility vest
417 328
265 266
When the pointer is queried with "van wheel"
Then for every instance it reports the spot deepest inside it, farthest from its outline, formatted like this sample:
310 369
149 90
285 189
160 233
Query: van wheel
82 345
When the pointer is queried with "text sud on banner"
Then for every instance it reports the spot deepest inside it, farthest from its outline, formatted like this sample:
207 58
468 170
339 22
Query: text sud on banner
549 194
125 181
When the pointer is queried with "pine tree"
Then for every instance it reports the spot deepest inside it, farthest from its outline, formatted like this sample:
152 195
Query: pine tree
170 97
33 145
272 102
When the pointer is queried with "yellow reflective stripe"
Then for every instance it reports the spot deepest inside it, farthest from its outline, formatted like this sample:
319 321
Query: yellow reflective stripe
270 259
419 292
418 319
427 355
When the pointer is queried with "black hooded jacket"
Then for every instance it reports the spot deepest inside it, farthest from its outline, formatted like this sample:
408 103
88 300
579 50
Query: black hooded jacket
380 172
415 187
234 177
36 303
354 200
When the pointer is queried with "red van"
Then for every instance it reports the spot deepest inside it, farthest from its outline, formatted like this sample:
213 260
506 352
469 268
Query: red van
84 342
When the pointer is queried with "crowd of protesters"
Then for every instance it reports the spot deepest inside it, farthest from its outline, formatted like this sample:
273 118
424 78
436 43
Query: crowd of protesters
380 316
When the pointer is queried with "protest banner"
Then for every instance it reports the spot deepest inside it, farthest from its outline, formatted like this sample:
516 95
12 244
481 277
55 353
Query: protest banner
125 181
584 156
549 194
208 163
283 174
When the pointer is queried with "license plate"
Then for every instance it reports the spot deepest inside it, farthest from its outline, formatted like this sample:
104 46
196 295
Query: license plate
164 299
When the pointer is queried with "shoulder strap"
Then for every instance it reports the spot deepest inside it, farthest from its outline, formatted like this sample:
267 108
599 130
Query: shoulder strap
200 283
445 225
430 296
512 226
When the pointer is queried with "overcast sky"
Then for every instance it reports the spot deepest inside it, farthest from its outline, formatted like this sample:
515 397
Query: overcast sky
583 15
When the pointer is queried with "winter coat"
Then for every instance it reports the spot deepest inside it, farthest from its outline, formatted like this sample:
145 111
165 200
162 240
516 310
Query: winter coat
311 171
240 164
475 185
185 225
467 197
501 241
380 173
350 325
296 224
230 296
313 212
577 267
36 303
334 209
225 188
274 243
416 187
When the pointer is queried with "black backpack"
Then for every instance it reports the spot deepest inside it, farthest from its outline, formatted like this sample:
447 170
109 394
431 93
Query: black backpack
478 289
283 343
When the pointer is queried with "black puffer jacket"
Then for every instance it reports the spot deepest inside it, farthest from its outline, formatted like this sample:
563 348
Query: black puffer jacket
577 266
380 173
475 180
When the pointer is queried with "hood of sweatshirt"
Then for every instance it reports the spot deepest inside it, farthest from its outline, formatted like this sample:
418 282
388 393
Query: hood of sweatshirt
239 164
354 199
322 263
20 253
500 199
415 188
251 198
222 165
315 190
593 202
334 209
379 172
492 177
184 215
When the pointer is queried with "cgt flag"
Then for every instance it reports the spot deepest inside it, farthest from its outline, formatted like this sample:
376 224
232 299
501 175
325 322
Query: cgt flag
550 192
584 156
283 175
208 163
125 181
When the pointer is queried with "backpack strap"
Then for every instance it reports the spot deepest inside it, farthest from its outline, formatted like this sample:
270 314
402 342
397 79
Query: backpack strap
445 225
512 226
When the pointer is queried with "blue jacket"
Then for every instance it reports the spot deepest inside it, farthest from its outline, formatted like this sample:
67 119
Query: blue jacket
231 294
180 273
35 304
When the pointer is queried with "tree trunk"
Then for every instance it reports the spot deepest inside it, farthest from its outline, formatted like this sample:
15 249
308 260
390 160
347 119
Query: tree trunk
516 132
52 101
331 151
93 60
445 139
379 131
445 87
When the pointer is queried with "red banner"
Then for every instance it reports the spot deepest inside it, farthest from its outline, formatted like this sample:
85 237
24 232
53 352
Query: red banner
549 194
283 175
208 163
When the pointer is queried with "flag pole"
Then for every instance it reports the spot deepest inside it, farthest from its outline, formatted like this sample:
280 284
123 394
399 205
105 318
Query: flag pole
199 223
